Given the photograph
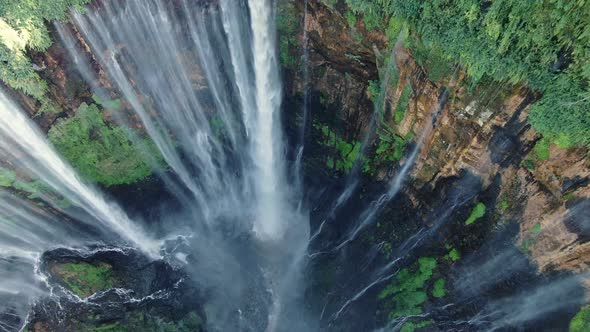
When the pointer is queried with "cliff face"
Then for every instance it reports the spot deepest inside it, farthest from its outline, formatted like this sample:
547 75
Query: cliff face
544 188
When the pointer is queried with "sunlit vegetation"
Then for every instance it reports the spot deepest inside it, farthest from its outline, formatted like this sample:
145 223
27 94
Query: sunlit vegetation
479 210
7 177
453 255
540 44
23 29
411 326
438 290
542 149
31 189
402 105
581 321
100 152
346 153
85 279
406 293
390 148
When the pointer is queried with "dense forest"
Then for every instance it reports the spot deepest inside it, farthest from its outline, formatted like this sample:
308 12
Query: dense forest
544 45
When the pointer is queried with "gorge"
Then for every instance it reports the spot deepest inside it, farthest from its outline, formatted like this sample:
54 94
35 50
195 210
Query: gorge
294 165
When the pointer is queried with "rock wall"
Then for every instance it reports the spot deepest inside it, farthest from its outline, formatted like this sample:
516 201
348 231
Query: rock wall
482 130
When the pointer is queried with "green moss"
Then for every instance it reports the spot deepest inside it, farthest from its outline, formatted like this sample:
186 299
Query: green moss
402 104
406 293
542 149
454 255
568 196
351 18
115 104
374 89
438 289
504 205
101 153
85 279
581 321
386 249
411 326
536 229
7 177
478 211
563 141
346 153
529 164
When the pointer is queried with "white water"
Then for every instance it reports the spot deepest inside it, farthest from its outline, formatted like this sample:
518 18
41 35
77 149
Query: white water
23 145
267 145
205 85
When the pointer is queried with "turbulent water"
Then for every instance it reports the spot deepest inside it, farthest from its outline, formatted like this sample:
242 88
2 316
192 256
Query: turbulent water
201 80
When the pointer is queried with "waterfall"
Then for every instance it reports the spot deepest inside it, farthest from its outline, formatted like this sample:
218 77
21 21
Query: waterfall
267 145
202 81
23 145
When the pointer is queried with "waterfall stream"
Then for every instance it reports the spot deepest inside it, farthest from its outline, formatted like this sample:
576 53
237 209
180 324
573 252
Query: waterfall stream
195 87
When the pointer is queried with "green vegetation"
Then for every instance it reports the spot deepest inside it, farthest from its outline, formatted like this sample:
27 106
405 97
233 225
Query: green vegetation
581 321
100 152
330 3
351 18
346 153
438 289
390 148
31 189
504 205
7 177
402 105
529 164
453 255
85 279
568 196
536 229
149 322
411 326
406 293
288 25
542 149
541 44
23 29
478 211
374 90
115 104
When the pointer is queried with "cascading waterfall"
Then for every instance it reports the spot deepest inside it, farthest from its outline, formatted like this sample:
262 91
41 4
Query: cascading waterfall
267 146
223 140
200 79
24 146
26 230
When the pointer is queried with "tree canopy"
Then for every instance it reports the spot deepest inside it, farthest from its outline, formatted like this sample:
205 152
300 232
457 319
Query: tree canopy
544 44
23 29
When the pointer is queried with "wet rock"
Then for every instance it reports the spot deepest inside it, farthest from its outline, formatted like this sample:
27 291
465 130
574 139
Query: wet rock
114 289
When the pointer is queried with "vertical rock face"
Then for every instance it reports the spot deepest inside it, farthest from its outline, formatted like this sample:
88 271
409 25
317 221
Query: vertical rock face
484 131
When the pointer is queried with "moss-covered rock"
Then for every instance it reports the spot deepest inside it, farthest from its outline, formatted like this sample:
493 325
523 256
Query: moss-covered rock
581 321
100 152
85 279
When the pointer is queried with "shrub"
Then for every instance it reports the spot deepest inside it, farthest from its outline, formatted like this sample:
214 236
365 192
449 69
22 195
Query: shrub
100 152
478 211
